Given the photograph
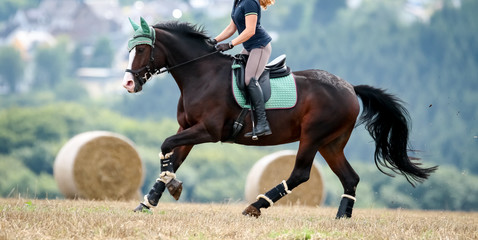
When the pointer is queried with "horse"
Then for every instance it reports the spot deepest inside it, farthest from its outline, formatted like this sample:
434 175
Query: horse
325 114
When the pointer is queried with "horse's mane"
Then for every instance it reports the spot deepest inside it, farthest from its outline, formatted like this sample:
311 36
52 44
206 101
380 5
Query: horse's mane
185 28
192 31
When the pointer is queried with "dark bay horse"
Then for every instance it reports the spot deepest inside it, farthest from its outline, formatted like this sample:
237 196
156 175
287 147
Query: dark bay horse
322 120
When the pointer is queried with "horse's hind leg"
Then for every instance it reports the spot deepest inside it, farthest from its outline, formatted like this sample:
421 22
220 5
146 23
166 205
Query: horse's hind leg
300 174
333 153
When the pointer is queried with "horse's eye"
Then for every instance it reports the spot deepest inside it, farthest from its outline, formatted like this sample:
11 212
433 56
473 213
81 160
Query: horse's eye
140 50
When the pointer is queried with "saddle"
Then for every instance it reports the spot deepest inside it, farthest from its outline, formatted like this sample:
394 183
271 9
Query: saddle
275 69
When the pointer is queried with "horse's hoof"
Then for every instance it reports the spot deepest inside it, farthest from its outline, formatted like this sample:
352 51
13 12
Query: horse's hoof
175 187
251 211
142 208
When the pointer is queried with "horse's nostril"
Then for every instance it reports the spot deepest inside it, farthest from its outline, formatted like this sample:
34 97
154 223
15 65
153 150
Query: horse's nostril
129 85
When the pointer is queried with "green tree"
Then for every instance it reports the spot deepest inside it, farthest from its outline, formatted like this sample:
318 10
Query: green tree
51 65
77 57
103 54
17 179
325 10
9 7
431 66
11 67
158 100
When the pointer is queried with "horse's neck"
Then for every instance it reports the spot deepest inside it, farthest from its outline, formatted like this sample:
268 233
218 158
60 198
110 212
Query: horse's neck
207 70
190 64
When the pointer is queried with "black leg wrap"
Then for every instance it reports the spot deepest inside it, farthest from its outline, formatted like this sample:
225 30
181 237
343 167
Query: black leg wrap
261 203
276 193
155 193
272 196
167 165
345 208
167 175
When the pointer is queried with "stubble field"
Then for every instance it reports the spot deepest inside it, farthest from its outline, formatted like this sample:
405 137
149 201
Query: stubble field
79 219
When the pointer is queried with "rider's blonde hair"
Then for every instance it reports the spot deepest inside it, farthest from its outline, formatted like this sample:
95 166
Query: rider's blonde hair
266 3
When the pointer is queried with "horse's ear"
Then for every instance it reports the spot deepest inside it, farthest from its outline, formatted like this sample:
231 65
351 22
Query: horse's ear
135 26
144 25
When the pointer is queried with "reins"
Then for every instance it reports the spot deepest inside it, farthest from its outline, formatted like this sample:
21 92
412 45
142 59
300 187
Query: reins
168 69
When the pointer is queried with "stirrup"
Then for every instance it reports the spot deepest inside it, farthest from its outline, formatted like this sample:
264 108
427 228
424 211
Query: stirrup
252 134
255 136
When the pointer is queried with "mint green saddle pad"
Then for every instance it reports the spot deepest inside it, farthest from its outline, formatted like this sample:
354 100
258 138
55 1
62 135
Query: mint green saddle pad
283 93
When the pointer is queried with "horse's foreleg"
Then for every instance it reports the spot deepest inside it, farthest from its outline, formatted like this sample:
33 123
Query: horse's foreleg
182 140
170 166
167 178
299 175
191 136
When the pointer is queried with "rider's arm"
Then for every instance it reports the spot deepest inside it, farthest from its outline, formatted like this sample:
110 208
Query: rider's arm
251 22
227 32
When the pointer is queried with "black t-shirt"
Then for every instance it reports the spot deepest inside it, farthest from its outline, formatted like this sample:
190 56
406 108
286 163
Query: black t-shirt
241 9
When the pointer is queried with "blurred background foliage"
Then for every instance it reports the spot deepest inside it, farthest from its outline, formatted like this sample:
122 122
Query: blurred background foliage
431 64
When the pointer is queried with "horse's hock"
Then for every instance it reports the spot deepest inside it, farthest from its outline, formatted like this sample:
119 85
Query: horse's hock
272 169
99 165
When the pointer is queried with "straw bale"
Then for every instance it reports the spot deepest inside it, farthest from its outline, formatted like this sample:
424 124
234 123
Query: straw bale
99 165
272 169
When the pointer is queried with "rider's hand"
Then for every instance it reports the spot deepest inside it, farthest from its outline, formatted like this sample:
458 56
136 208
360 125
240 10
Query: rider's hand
224 46
212 41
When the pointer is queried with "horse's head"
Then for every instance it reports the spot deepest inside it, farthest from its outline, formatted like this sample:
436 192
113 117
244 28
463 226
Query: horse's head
164 47
141 57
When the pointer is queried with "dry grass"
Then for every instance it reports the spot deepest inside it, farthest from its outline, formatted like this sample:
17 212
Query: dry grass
70 219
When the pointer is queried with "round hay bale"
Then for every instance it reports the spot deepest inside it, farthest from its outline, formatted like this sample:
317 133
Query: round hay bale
272 169
99 165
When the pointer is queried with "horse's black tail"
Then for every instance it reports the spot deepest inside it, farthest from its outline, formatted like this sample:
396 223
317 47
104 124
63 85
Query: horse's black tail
387 121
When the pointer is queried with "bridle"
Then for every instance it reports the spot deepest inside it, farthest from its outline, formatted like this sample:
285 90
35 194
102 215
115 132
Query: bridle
150 70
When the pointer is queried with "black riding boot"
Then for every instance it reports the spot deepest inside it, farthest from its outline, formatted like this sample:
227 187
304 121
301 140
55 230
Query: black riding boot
257 100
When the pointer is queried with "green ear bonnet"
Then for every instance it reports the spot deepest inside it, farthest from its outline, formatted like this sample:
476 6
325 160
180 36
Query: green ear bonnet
143 34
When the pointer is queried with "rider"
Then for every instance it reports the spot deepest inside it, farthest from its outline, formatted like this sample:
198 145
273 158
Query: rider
246 19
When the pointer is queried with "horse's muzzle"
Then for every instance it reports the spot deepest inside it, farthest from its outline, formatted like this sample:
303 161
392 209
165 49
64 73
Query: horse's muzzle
128 83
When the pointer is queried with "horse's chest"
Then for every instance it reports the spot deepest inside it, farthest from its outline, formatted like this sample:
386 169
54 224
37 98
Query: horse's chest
191 114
